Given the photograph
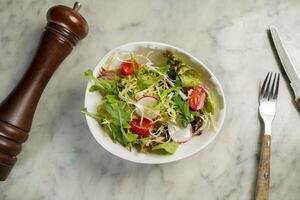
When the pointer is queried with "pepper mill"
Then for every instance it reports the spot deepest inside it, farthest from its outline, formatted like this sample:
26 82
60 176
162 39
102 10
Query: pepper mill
65 27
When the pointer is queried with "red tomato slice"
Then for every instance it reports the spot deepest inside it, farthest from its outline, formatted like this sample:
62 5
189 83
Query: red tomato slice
127 67
143 129
197 98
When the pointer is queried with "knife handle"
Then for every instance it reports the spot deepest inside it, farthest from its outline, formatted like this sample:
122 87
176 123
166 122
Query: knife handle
64 29
298 101
263 178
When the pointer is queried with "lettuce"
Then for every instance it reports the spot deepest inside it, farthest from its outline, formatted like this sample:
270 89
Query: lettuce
165 148
145 79
208 106
92 115
101 85
188 80
185 115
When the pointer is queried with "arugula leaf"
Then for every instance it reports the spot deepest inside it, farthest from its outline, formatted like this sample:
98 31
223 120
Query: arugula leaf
95 116
131 138
186 115
117 109
165 148
115 116
105 86
112 131
119 116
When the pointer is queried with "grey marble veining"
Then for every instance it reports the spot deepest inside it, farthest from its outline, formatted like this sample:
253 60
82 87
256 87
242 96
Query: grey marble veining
61 160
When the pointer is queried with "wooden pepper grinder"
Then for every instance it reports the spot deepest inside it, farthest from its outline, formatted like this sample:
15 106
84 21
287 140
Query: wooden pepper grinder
64 28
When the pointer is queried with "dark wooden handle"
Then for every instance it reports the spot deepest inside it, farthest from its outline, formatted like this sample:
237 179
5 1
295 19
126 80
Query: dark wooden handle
64 28
298 101
263 178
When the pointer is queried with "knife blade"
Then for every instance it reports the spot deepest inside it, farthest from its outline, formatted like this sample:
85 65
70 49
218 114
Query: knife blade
287 64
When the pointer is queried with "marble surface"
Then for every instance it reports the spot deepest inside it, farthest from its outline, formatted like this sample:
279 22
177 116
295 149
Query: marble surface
61 159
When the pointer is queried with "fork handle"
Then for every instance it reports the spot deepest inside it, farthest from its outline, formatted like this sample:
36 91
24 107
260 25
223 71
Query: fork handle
263 179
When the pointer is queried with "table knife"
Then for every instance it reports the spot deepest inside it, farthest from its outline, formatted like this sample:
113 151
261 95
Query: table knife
287 64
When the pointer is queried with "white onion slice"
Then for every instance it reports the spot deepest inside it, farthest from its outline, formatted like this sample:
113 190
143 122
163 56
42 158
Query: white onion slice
146 107
179 134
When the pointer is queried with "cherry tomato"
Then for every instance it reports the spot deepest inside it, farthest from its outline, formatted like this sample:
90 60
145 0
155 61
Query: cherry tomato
127 67
143 129
197 97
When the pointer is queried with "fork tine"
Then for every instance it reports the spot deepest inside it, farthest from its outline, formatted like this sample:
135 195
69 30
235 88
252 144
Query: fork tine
267 92
267 89
277 87
263 87
272 92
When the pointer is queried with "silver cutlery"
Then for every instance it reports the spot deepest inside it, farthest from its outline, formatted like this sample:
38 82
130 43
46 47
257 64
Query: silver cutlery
286 63
267 109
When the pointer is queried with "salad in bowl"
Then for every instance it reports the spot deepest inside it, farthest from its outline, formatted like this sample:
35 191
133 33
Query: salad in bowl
151 101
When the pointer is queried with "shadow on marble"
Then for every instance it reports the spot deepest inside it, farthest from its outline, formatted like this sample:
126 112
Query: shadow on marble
91 158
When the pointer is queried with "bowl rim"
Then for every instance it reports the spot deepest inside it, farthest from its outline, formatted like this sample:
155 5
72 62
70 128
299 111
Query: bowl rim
168 159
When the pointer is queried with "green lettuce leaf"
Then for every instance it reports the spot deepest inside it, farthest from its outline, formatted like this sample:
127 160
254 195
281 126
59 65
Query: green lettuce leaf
146 79
189 80
164 69
165 148
208 106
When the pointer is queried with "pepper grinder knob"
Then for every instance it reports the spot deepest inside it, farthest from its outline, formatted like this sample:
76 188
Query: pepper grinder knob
68 21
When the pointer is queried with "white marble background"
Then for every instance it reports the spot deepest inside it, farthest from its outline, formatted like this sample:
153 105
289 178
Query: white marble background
61 160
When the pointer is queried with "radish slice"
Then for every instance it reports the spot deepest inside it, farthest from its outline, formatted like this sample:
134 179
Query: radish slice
180 134
146 107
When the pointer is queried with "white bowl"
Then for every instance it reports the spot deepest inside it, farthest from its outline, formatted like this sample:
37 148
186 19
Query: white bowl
189 148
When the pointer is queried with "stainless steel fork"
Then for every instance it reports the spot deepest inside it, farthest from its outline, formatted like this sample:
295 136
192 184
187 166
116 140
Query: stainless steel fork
267 109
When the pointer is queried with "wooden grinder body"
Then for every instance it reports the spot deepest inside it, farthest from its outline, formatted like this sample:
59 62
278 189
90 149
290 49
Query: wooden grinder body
64 28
